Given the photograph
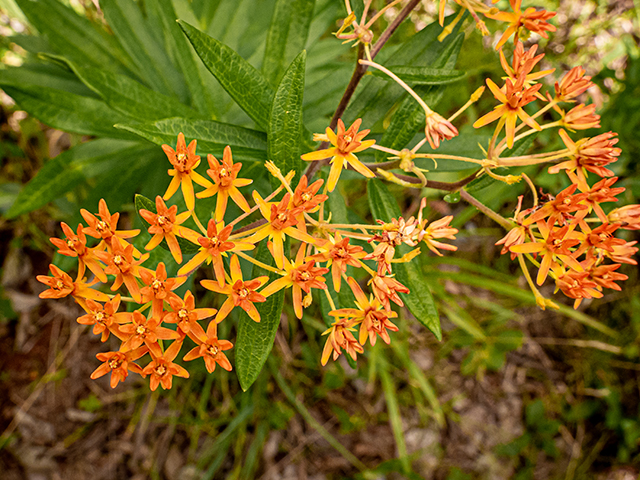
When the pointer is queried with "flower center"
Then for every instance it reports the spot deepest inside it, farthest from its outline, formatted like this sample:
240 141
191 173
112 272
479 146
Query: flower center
213 350
115 363
341 253
282 217
162 220
214 240
99 317
101 227
305 276
223 172
348 138
59 285
161 370
156 285
141 330
117 260
306 196
183 313
243 293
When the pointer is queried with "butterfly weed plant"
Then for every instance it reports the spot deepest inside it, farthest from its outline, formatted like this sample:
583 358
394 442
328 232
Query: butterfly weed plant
154 91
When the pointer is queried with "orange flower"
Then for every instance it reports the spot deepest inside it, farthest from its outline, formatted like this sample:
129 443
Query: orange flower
186 315
514 98
213 247
104 318
159 288
161 368
370 314
560 208
184 161
241 293
523 63
226 183
165 225
602 192
120 263
61 285
438 128
387 288
338 254
574 83
340 338
438 229
628 216
211 350
106 227
145 330
623 253
119 364
306 199
605 276
577 285
76 246
300 276
533 20
345 144
282 221
581 117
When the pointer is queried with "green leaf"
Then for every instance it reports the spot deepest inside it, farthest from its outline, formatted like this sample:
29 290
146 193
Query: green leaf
69 112
194 73
212 136
64 172
129 96
145 203
287 36
46 75
151 61
255 340
73 35
240 79
419 300
423 75
285 121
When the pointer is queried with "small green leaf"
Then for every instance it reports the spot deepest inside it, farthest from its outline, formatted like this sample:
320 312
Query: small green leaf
287 36
453 197
255 340
64 172
285 121
129 96
212 136
419 300
423 75
240 79
145 203
69 112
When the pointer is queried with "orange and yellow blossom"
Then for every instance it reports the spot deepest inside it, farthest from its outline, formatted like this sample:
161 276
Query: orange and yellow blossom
628 217
282 221
581 117
213 247
61 285
211 349
240 293
226 183
165 225
523 63
340 338
184 161
119 364
186 315
75 245
158 288
300 275
574 83
161 368
306 199
338 254
345 144
372 317
120 263
386 289
514 97
105 318
531 19
106 227
145 330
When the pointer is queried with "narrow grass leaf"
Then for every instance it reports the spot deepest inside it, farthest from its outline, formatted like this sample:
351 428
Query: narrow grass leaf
389 389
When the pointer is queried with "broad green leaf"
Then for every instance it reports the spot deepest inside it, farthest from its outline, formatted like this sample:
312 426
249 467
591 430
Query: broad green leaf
255 340
129 96
45 75
241 80
69 112
285 121
419 300
410 117
287 36
212 136
152 64
73 35
71 168
423 75
193 71
145 203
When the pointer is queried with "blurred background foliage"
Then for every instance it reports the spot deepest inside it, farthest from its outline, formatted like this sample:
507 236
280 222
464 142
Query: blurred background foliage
511 391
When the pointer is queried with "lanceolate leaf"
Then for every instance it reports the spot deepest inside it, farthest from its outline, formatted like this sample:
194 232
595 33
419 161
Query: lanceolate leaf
130 97
69 169
145 203
287 36
255 340
285 121
44 74
130 27
72 35
419 301
241 80
69 112
423 75
212 136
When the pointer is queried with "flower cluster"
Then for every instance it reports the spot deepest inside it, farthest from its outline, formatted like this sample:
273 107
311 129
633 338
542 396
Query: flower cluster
287 213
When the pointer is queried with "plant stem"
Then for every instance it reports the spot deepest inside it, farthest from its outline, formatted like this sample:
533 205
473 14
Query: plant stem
506 224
